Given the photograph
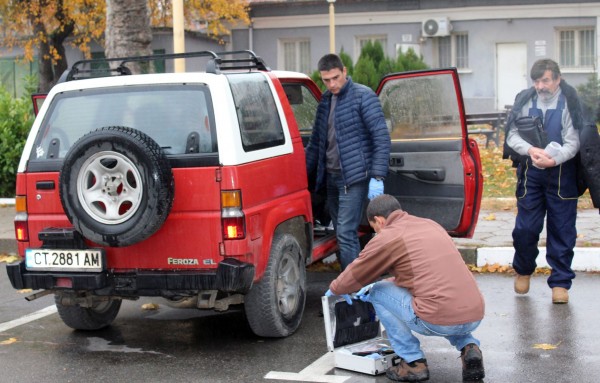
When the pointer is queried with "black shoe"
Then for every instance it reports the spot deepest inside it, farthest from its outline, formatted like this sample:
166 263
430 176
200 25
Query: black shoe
415 371
472 362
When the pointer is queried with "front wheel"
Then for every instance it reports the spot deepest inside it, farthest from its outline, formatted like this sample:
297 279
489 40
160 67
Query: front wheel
275 305
100 315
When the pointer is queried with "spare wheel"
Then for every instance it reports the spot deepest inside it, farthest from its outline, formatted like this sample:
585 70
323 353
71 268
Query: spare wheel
116 186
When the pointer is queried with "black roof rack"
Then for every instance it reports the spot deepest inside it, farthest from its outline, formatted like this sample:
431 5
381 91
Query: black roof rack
102 68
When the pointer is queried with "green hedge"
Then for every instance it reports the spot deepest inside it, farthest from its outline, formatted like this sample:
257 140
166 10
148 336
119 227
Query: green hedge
373 64
16 118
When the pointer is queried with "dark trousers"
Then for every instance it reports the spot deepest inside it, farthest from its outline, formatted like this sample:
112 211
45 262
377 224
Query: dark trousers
552 193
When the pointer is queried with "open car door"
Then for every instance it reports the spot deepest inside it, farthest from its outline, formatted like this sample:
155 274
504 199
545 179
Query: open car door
37 100
435 169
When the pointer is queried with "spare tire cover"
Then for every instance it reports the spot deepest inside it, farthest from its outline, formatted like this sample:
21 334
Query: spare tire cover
116 186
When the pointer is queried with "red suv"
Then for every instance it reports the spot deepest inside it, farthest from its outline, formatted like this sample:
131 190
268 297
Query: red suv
192 186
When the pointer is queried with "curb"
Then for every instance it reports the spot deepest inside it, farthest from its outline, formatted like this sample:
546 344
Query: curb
7 202
585 258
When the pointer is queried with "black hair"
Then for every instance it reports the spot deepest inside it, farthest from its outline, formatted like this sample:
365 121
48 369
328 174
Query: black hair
330 61
541 66
382 206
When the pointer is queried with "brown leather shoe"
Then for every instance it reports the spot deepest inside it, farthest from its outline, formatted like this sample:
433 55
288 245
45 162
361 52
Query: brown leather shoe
522 284
560 295
416 371
472 363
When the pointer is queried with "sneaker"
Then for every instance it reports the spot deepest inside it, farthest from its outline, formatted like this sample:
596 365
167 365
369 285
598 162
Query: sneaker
416 371
522 284
560 295
472 363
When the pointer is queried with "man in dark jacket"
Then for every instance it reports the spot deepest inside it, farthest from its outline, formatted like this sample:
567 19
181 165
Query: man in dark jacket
349 151
547 183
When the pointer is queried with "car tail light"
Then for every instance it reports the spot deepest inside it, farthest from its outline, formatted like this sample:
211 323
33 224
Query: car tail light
232 216
64 282
21 230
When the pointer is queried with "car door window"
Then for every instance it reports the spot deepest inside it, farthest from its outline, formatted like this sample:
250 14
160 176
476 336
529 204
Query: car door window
304 105
422 108
435 171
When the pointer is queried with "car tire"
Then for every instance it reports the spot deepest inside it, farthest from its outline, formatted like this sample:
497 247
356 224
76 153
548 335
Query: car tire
116 186
100 315
275 305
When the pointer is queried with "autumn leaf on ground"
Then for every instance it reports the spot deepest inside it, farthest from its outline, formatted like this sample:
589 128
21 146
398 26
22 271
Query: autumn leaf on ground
24 291
8 341
497 268
9 258
490 217
150 306
547 346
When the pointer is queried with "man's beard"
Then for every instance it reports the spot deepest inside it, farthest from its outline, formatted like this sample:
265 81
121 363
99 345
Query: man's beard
546 95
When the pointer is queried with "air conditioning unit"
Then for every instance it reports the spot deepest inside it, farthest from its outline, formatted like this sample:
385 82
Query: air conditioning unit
438 26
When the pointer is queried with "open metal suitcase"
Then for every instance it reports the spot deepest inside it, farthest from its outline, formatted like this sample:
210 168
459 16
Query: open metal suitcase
356 337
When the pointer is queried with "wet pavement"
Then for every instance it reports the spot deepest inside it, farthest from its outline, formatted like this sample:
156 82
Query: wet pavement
524 338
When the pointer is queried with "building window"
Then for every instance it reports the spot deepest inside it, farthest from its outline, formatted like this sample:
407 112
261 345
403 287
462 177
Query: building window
361 41
453 51
296 55
577 48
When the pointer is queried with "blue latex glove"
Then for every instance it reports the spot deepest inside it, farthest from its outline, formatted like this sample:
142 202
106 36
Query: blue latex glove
375 188
363 294
347 297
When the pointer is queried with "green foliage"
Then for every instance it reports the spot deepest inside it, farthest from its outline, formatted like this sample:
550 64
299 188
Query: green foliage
373 64
365 73
16 118
316 77
373 51
347 60
409 61
589 94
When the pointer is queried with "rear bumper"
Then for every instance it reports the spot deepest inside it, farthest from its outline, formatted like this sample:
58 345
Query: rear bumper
231 276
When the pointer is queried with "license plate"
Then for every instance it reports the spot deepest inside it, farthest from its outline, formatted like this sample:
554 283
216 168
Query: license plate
64 260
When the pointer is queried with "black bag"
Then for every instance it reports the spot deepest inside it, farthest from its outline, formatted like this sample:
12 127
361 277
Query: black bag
531 129
354 323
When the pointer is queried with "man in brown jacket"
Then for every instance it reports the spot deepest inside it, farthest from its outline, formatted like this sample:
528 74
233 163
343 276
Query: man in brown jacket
431 291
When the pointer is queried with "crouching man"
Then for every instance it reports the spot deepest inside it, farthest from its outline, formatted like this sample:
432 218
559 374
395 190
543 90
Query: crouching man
431 291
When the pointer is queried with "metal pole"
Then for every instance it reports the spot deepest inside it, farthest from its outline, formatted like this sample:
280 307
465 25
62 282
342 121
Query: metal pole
331 26
178 34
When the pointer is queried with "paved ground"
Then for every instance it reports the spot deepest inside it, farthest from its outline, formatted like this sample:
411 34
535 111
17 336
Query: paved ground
524 338
492 241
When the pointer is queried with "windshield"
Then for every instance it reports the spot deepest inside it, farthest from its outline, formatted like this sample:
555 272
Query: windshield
173 115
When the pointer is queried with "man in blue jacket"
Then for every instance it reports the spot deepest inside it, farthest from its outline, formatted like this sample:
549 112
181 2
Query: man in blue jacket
349 151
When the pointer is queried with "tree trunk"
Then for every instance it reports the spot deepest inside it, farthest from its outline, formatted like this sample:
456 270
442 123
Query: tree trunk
128 31
45 73
50 68
58 37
